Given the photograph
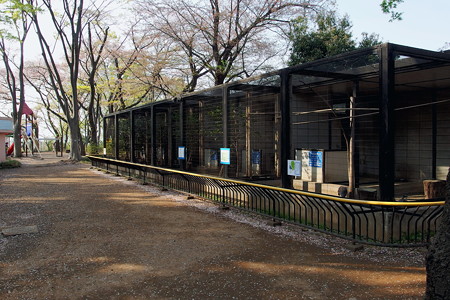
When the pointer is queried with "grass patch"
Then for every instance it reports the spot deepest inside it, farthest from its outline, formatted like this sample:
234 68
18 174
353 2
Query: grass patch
85 160
9 164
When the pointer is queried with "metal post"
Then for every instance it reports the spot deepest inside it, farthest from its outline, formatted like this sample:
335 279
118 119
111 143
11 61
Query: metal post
182 137
132 135
201 126
225 125
170 154
104 136
152 135
387 127
352 151
355 140
434 138
285 134
116 136
147 148
248 136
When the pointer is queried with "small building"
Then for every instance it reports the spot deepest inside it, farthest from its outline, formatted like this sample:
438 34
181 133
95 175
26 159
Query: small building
375 119
6 127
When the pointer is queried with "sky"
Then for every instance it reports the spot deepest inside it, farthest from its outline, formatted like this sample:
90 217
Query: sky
423 25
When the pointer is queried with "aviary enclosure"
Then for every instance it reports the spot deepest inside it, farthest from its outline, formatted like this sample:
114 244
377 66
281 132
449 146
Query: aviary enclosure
373 123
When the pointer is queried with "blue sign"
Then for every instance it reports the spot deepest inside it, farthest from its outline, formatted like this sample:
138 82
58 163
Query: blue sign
315 159
256 157
181 152
29 129
214 156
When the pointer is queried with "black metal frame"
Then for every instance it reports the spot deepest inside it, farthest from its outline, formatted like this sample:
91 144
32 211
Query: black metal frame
387 55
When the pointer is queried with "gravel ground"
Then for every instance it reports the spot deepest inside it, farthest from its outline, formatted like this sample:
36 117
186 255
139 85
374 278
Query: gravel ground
103 237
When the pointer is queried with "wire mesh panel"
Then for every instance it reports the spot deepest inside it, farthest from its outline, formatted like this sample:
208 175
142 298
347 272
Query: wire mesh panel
192 135
142 119
442 109
422 103
335 125
203 131
174 136
124 130
370 124
210 140
109 137
162 138
254 129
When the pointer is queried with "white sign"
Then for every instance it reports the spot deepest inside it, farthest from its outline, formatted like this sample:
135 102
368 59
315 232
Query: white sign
181 152
294 167
225 156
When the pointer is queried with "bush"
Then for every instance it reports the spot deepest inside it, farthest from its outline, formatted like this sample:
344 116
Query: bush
9 164
93 149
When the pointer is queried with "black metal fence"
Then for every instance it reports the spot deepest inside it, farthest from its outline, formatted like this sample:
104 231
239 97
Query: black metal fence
399 224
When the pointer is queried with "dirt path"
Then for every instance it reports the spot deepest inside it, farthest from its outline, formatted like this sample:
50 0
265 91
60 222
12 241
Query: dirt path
101 237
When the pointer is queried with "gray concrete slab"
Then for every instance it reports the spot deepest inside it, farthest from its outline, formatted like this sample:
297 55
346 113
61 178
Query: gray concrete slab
20 230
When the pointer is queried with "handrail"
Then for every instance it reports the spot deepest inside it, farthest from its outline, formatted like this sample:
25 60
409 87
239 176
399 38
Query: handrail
299 192
394 224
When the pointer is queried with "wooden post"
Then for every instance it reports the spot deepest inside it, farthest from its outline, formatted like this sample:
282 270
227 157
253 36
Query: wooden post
434 189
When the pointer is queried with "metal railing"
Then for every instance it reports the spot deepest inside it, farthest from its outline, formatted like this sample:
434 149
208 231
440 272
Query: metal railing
400 224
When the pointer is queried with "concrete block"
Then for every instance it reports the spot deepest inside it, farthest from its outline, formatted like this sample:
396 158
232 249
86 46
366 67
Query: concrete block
20 230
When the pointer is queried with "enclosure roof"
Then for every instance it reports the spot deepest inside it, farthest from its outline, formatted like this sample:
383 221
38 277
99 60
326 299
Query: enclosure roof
148 106
361 64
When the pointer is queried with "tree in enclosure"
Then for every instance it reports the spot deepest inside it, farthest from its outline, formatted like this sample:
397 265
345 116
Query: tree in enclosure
330 35
224 40
16 24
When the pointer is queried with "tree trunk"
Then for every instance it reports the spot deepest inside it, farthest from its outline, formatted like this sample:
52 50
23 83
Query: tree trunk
438 258
17 139
75 140
351 151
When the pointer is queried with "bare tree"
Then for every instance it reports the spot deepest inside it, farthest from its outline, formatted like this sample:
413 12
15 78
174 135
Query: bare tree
133 71
94 54
37 77
69 24
15 16
220 38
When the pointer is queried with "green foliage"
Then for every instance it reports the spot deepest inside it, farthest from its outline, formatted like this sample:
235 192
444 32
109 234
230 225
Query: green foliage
12 12
369 40
389 6
9 164
49 145
329 36
94 149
